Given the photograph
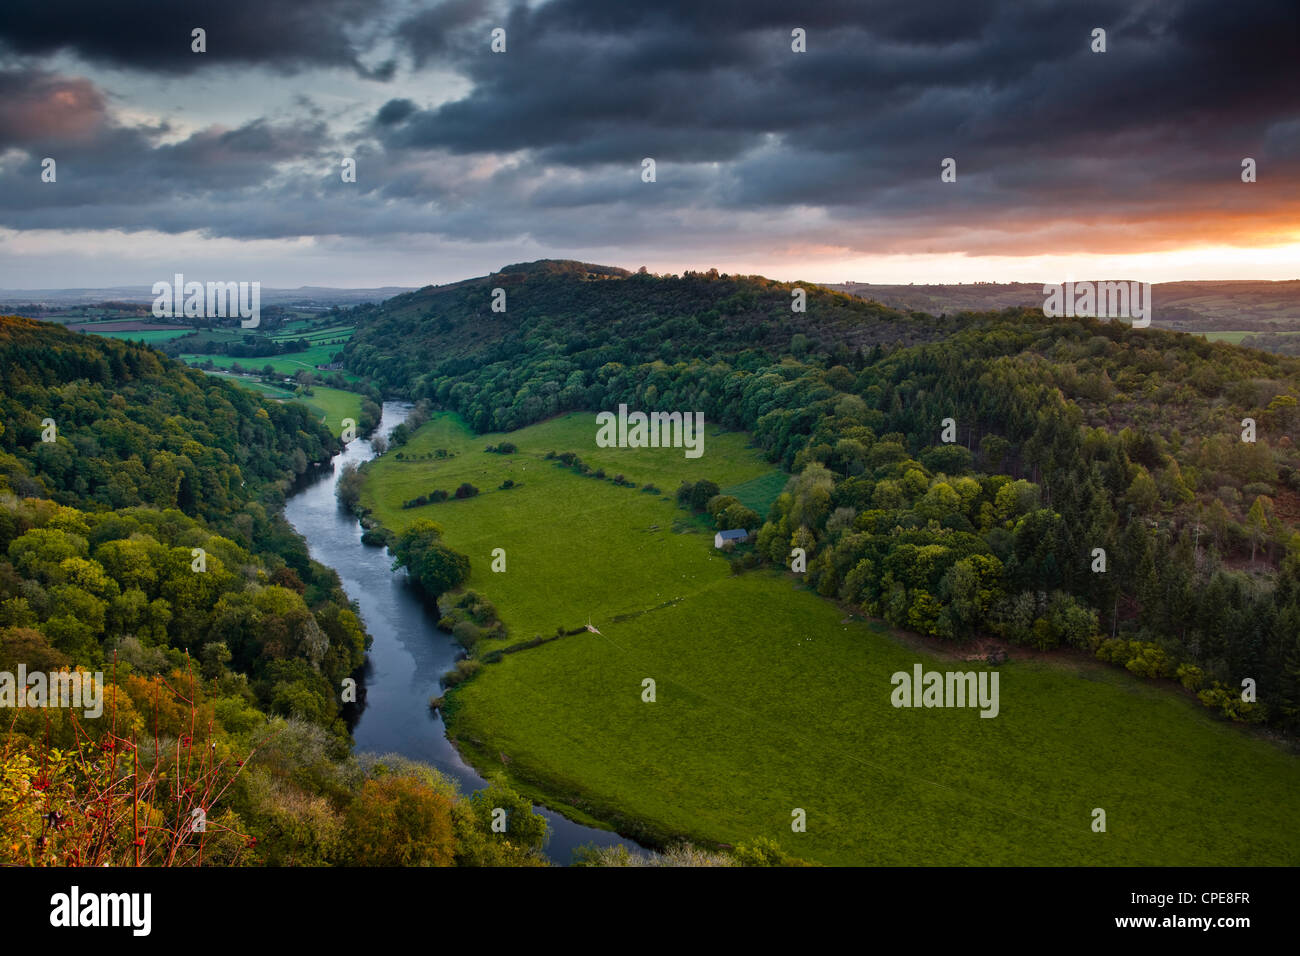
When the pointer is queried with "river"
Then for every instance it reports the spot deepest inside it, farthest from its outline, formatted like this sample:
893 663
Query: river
409 653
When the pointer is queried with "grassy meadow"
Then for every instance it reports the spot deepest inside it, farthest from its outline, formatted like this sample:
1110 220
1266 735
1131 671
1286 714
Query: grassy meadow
768 698
289 364
147 336
331 405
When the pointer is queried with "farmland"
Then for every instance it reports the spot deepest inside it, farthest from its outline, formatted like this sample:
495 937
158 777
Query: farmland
288 364
770 698
331 405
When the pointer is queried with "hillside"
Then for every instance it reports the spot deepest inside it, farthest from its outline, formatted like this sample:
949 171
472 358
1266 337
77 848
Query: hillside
144 561
1132 440
1266 315
129 426
585 317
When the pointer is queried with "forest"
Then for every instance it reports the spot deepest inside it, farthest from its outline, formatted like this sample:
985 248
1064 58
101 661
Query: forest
141 540
1131 493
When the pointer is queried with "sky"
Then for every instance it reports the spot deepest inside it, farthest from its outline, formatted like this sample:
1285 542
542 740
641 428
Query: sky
822 165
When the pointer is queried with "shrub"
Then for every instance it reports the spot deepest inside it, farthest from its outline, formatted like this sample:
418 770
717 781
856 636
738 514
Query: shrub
466 490
467 634
762 851
463 671
508 483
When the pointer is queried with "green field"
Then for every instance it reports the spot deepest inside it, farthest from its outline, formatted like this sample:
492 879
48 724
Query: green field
314 335
148 336
331 405
1235 337
289 364
770 699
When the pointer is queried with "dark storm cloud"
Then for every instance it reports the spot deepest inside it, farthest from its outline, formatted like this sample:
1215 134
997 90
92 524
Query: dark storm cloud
110 175
546 141
280 35
394 111
586 81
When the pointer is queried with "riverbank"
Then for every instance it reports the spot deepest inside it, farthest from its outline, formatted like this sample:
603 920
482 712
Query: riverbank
409 654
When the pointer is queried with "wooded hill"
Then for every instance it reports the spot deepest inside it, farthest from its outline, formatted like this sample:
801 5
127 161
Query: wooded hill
1072 435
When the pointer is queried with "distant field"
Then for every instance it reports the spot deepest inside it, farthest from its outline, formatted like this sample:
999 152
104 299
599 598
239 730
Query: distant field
148 336
314 335
331 405
284 364
769 699
1235 337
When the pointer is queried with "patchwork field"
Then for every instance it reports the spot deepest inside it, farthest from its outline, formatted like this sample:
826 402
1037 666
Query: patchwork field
769 699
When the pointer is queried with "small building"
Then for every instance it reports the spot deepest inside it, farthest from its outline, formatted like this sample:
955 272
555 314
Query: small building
738 535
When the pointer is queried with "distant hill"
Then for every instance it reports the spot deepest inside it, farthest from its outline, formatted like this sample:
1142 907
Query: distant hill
136 294
1001 438
1209 306
593 315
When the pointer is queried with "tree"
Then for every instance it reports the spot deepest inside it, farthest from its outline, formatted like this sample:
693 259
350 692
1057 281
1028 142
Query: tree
479 843
737 516
1143 493
400 821
973 588
434 566
701 493
1257 520
349 486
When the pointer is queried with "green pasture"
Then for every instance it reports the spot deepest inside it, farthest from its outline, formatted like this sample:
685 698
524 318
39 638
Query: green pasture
331 405
769 699
289 364
148 336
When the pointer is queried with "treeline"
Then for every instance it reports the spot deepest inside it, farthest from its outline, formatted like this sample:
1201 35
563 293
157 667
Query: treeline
572 461
957 487
463 490
1281 343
